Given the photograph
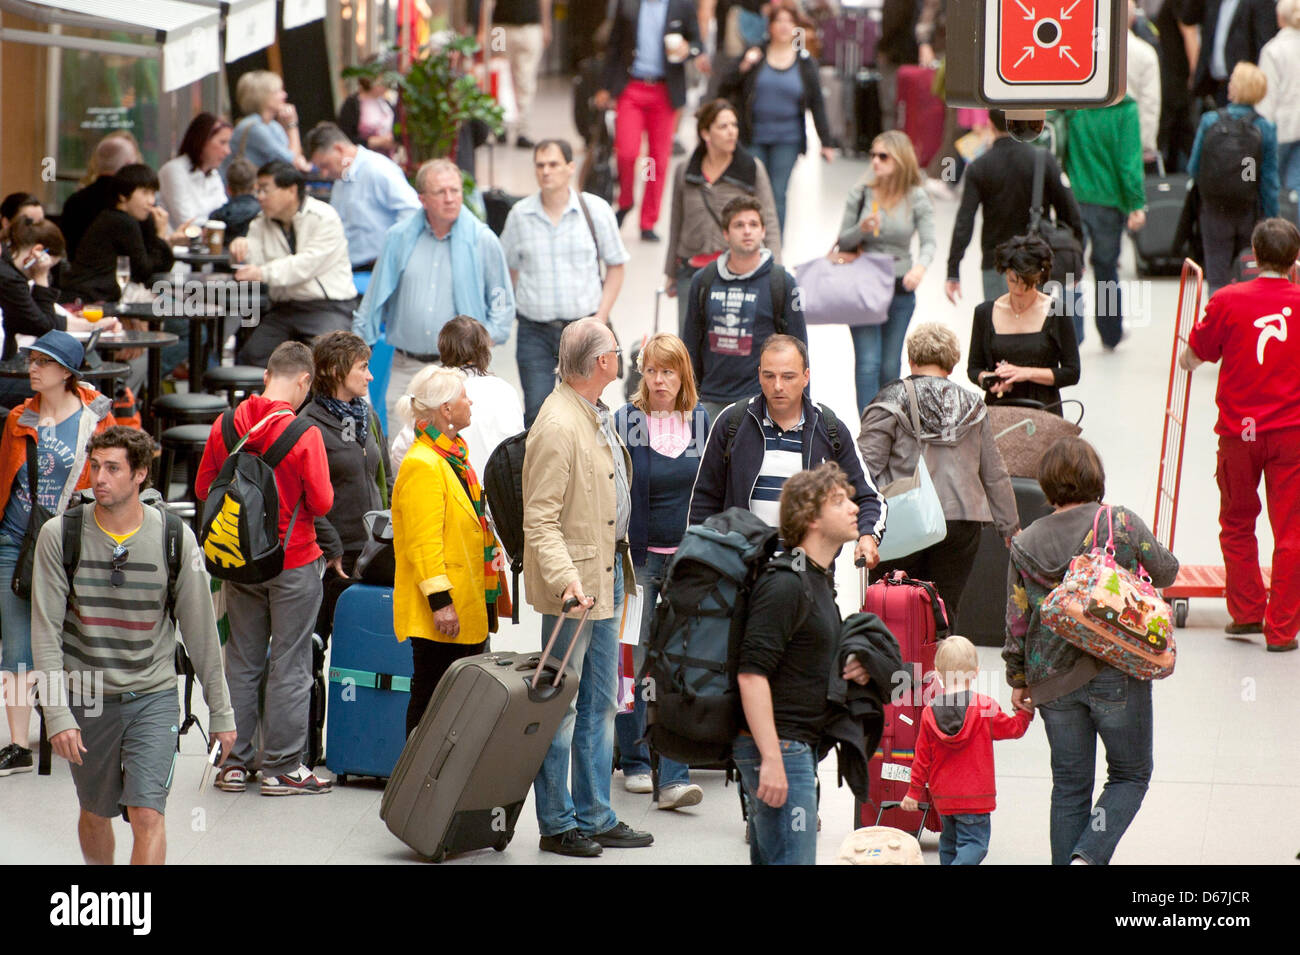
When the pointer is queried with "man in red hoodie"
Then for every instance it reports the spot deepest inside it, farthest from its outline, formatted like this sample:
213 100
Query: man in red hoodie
954 754
282 610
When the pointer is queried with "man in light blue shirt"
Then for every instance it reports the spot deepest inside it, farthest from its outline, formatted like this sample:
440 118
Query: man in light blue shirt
555 253
432 268
371 195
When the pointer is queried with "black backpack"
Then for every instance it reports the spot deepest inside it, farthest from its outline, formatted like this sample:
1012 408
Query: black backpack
1221 179
240 533
689 675
503 483
738 415
73 518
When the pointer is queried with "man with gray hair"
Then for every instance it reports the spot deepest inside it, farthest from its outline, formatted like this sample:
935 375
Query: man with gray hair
370 194
576 512
81 208
432 268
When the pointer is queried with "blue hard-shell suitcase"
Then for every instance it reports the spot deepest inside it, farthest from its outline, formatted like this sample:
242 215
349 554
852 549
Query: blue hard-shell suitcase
369 686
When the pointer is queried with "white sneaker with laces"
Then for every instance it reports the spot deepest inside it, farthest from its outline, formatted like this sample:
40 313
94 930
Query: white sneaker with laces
639 783
680 795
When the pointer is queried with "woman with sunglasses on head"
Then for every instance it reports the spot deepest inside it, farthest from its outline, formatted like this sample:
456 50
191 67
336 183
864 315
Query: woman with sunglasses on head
883 212
58 421
1020 346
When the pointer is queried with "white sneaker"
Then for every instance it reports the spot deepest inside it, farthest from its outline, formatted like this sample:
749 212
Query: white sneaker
639 783
679 795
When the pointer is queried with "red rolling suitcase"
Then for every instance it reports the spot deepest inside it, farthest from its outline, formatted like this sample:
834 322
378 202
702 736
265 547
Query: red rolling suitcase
915 614
920 112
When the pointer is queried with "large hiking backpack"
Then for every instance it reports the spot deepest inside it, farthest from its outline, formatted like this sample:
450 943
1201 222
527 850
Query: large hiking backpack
503 483
240 533
693 704
1225 180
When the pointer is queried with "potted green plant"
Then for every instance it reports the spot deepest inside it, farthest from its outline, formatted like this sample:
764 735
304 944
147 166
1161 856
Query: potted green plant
436 98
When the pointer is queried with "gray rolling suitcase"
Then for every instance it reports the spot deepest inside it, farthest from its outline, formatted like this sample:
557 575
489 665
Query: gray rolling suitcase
466 770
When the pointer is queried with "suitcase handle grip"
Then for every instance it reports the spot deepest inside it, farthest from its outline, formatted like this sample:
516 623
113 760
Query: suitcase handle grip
894 804
569 604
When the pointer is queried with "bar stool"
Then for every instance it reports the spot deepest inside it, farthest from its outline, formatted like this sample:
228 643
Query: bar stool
188 408
186 441
233 380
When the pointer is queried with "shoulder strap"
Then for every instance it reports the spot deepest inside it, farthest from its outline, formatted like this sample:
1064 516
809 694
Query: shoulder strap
72 520
707 276
778 298
229 436
33 477
1036 199
172 556
915 413
586 214
733 425
282 445
832 428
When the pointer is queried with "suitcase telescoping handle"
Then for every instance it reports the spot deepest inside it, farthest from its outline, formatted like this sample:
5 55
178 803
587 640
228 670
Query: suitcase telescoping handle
861 564
894 804
569 604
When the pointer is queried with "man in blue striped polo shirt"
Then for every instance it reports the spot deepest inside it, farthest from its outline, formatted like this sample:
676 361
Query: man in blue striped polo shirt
756 445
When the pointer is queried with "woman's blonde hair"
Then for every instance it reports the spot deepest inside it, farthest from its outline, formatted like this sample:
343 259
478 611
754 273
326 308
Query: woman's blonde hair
431 388
668 350
906 174
1249 83
255 88
932 343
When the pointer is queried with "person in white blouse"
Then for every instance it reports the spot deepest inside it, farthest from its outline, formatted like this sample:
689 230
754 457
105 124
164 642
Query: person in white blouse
1280 61
464 343
192 187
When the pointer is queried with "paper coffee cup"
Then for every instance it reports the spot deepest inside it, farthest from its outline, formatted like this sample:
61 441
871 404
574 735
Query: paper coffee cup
214 233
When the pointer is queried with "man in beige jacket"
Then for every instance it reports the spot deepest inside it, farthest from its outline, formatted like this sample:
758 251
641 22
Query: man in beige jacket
576 510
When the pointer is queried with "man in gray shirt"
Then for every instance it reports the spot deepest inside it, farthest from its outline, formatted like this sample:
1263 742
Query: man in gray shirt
115 716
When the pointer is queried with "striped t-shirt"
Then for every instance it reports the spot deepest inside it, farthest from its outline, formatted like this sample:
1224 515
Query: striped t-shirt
782 459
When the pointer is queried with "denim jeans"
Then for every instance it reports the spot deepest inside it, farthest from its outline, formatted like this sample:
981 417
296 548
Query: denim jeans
1104 226
587 731
1117 708
1288 155
537 352
879 348
15 613
630 727
788 835
779 160
965 839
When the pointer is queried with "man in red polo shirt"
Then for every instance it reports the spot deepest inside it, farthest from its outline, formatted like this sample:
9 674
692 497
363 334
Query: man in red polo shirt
1254 327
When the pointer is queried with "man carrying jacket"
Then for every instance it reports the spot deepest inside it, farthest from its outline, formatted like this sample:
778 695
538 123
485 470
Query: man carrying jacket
577 506
755 446
280 612
297 249
734 305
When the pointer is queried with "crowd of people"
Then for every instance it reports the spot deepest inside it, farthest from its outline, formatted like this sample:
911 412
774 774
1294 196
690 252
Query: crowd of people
722 418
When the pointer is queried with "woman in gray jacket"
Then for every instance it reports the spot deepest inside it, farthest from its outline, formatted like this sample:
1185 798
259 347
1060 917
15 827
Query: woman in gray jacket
357 453
960 454
883 211
719 170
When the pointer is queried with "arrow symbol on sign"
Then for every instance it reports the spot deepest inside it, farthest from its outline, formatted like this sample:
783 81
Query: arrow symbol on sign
1029 52
1065 13
1029 14
1065 52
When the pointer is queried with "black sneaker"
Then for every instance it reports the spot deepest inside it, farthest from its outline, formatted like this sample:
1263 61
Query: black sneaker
620 215
623 836
571 842
649 235
15 759
523 142
1238 629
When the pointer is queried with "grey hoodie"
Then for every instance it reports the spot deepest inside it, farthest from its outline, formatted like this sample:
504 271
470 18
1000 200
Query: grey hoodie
960 454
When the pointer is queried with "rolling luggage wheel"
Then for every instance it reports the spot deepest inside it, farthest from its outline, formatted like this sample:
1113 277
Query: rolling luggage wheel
438 856
501 844
1180 612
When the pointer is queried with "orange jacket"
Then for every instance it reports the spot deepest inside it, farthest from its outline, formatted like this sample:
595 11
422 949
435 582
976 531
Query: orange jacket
21 424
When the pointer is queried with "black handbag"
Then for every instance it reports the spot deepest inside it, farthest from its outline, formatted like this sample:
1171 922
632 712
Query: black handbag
24 568
377 563
1067 250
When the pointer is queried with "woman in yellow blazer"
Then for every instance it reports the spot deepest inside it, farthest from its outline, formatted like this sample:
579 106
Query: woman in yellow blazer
446 586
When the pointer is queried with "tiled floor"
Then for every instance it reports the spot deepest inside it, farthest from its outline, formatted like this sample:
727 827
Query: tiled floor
1227 774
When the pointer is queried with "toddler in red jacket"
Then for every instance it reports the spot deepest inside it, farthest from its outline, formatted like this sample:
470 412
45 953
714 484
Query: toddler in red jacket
954 754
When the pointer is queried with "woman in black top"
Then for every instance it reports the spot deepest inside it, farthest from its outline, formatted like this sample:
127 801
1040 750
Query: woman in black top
26 297
1020 347
134 227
